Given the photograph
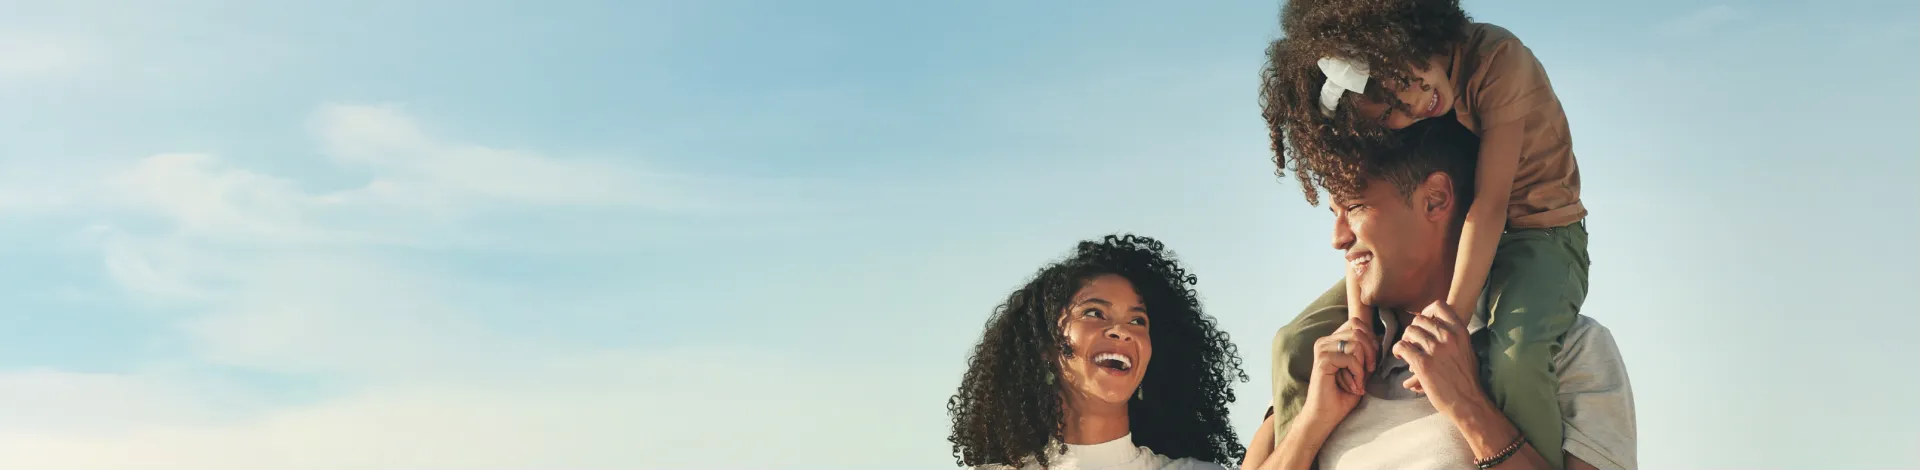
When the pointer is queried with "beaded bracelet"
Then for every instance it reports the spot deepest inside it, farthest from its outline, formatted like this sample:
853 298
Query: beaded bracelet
1503 455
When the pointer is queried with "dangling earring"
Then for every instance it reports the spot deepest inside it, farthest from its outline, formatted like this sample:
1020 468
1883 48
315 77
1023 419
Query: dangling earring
1050 377
1140 393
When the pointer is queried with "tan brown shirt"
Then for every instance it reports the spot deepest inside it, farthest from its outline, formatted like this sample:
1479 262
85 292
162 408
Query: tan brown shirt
1499 82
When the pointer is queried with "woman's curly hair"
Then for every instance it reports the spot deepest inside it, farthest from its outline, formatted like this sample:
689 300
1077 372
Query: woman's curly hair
1009 409
1391 36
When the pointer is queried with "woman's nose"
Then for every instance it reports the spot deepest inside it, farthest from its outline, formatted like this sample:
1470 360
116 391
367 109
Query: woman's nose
1117 333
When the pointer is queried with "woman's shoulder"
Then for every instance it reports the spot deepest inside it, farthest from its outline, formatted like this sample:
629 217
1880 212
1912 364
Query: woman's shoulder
1163 462
1190 464
1025 464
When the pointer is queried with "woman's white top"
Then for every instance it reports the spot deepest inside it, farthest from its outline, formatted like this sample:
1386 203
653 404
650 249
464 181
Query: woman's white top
1119 453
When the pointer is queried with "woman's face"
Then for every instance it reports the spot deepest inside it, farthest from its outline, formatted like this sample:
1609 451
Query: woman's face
1106 325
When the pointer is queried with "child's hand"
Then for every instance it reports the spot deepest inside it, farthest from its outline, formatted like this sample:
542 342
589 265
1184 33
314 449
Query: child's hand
1360 316
1458 312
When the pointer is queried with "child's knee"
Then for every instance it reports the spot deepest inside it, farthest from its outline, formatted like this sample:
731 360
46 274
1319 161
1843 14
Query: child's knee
1290 343
1293 346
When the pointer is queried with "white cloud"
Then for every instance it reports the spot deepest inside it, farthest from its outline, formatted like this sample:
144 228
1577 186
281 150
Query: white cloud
418 169
280 278
259 272
1701 21
680 409
419 188
40 56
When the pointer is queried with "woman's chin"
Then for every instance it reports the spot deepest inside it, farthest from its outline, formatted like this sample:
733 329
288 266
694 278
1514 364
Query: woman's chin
1116 393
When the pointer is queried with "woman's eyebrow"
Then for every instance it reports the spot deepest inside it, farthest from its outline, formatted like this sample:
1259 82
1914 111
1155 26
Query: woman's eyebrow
1100 301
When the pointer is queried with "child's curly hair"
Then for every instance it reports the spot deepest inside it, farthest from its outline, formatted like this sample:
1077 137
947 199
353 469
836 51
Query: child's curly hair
1391 37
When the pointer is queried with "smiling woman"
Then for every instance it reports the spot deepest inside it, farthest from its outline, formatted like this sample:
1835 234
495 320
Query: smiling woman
1101 361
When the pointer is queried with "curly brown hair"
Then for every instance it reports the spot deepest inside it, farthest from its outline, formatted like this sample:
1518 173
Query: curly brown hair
1008 409
1392 37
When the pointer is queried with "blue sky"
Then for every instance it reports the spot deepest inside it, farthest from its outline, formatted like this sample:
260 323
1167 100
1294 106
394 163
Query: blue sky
764 234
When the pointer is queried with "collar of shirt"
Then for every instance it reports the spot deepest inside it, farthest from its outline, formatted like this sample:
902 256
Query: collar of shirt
1391 372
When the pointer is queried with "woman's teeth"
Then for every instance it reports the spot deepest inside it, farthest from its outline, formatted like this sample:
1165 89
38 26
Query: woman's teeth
1114 360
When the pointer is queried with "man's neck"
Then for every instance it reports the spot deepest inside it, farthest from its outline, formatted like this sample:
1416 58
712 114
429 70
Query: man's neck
1434 287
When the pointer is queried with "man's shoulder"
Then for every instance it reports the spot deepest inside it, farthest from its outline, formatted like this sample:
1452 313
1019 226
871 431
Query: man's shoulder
1587 342
1586 329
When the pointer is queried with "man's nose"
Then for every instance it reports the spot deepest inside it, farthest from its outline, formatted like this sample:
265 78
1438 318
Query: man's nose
1343 235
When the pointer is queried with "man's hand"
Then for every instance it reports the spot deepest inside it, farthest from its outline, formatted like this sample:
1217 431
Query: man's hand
1341 362
1356 336
1351 348
1438 352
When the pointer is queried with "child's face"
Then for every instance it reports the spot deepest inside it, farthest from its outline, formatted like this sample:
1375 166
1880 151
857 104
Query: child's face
1435 99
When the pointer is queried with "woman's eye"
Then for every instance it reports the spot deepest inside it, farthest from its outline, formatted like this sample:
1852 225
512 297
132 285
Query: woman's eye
1094 313
1138 321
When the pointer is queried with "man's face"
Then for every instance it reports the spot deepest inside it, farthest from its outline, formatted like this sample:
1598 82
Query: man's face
1391 244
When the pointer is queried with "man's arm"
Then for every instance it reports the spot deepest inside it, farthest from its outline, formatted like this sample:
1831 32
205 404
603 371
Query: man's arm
1263 443
1297 450
1574 462
1597 407
1488 433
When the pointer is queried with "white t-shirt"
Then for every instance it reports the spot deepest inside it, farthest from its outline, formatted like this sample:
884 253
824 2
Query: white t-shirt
1119 453
1394 428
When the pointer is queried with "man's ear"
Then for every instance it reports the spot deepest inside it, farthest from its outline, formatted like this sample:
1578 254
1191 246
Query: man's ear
1437 196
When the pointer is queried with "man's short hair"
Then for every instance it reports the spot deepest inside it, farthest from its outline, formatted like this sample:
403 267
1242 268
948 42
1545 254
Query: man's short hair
1430 145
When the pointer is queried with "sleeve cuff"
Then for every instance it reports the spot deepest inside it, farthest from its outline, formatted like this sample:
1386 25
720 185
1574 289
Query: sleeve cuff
1577 444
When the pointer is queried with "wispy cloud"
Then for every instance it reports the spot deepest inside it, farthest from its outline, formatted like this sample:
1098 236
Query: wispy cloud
1702 21
418 186
262 273
416 168
280 277
680 409
32 56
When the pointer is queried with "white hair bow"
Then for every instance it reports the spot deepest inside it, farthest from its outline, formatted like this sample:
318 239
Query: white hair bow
1342 76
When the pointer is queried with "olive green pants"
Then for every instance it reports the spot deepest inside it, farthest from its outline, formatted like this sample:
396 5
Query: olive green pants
1534 290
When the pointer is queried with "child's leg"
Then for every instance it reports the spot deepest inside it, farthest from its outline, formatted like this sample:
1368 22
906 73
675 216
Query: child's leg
1536 287
1293 352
